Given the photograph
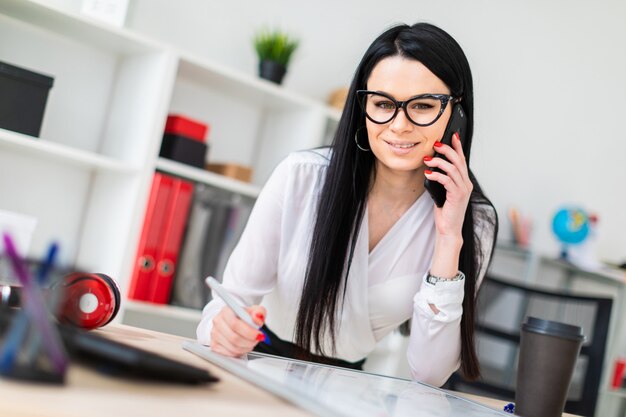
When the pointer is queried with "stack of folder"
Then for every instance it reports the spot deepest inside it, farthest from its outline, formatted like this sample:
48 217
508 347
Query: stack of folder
216 222
188 234
161 238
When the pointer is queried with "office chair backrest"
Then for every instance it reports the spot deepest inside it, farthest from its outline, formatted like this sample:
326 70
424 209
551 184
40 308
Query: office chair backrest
501 308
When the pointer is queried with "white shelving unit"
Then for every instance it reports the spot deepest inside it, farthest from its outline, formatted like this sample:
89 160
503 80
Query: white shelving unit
87 177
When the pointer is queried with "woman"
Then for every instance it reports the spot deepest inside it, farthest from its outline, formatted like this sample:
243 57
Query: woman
344 244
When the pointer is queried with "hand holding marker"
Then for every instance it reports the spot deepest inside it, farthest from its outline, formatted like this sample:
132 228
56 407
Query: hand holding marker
234 305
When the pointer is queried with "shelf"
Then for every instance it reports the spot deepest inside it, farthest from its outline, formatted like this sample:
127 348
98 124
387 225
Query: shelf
164 310
77 26
617 392
40 147
206 177
246 87
604 274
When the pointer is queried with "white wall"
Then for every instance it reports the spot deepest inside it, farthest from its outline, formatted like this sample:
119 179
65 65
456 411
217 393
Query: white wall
549 84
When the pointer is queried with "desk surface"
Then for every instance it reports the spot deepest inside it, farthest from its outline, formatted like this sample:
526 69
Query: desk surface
88 393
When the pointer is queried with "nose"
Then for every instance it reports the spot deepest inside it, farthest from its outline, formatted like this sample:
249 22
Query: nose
400 123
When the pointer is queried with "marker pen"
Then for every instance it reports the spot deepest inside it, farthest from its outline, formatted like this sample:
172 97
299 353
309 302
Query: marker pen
234 305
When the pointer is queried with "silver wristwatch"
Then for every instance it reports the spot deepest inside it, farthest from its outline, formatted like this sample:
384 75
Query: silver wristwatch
432 279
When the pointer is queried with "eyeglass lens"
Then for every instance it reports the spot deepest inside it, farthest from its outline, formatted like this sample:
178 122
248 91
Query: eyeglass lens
422 111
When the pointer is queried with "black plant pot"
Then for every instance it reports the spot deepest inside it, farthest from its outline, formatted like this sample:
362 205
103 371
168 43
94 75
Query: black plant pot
272 71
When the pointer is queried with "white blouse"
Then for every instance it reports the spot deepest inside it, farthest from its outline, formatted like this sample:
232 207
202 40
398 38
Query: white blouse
385 287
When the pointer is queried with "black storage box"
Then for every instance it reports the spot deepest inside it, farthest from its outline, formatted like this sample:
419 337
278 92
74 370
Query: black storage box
23 97
182 149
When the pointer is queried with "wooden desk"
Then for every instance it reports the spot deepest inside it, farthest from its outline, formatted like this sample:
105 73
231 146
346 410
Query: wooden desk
89 394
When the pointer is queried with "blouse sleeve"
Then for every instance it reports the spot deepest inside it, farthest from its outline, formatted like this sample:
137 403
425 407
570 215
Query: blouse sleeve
251 269
434 350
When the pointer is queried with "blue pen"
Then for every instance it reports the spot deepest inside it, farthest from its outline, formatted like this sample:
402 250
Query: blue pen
34 302
234 305
46 266
10 348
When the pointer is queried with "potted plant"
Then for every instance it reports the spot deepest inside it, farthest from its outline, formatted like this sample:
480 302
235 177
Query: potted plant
274 49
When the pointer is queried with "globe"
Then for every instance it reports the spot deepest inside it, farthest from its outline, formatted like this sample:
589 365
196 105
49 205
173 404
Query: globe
571 225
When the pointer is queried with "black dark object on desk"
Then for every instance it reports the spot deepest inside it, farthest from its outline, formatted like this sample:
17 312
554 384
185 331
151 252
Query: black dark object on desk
119 359
115 358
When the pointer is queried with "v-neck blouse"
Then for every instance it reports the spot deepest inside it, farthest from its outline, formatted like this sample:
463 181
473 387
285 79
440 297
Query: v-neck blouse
395 266
385 287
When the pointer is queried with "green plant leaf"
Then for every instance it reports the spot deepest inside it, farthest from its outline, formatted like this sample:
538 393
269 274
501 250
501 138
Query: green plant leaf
275 46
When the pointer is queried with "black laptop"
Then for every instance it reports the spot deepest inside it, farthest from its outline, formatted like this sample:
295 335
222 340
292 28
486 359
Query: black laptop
115 358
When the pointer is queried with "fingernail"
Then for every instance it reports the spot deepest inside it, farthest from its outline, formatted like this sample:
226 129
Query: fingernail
456 135
438 144
427 171
260 337
260 316
428 158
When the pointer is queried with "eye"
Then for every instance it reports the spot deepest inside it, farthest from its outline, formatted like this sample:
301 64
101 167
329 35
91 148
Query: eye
424 105
421 106
384 104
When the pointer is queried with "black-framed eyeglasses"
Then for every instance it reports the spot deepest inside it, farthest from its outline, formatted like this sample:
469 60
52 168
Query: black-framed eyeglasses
421 110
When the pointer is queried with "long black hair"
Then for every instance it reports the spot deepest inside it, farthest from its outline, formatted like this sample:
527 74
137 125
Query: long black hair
348 179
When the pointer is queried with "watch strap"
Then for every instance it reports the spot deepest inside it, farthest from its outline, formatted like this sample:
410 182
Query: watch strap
433 279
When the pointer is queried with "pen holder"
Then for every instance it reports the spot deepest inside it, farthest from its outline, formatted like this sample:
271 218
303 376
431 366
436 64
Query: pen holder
30 346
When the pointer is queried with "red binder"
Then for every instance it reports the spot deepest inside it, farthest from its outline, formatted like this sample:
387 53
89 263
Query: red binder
151 237
173 229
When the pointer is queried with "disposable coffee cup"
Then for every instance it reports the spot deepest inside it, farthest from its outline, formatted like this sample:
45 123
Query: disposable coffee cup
547 358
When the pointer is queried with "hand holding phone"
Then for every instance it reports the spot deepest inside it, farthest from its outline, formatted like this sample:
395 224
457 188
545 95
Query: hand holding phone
457 123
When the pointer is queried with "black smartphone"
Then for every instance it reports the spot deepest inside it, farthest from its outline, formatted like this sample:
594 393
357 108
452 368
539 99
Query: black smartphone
457 123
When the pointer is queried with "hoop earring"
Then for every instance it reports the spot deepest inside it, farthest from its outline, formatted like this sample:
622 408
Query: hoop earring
356 140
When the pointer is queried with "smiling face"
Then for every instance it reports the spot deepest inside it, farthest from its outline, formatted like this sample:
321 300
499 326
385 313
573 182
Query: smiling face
399 145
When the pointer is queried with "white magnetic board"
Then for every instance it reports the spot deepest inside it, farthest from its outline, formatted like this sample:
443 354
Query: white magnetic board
332 391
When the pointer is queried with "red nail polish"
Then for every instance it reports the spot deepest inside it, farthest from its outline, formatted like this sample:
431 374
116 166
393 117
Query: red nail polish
427 171
438 144
260 316
456 135
428 158
260 337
